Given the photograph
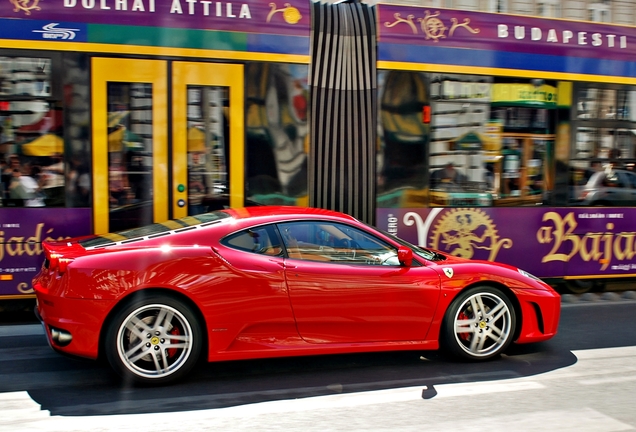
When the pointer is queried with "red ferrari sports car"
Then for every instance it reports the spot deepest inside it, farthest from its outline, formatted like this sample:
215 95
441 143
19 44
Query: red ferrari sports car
276 281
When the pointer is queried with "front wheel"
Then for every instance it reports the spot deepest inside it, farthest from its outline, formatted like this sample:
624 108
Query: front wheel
479 324
155 339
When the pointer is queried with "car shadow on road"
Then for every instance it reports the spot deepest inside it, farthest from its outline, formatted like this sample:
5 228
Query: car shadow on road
72 387
94 390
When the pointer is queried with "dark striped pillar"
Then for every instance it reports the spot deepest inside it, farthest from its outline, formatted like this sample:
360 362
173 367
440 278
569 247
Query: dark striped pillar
342 81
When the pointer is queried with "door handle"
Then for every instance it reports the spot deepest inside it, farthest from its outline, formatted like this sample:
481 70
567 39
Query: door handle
283 264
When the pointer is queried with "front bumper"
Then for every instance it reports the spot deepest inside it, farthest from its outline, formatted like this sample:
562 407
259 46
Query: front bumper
541 311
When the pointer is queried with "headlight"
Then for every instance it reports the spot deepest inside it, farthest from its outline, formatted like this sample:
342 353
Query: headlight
526 274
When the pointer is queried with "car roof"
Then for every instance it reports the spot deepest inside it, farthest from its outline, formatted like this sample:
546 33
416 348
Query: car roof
257 214
599 175
288 211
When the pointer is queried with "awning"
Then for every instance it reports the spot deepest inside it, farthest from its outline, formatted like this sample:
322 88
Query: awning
196 140
46 145
471 141
115 117
123 139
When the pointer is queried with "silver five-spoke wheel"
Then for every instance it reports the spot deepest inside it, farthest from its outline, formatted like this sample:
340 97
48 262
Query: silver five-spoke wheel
479 324
154 340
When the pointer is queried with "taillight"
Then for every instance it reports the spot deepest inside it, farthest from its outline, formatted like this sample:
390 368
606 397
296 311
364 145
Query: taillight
54 261
59 263
64 262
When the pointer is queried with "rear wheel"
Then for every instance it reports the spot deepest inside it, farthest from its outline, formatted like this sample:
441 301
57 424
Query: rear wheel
155 339
479 324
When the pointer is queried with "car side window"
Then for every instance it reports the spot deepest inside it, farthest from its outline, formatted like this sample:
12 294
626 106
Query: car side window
632 180
335 243
262 240
613 180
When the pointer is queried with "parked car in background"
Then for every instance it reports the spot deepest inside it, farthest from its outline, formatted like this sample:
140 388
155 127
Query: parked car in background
609 188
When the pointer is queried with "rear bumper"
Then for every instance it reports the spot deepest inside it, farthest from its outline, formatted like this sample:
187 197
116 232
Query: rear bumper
46 330
72 326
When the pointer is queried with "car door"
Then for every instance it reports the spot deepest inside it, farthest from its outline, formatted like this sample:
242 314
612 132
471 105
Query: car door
254 303
347 286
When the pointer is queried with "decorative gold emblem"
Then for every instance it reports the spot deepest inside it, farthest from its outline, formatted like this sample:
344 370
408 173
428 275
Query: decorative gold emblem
291 15
461 231
398 19
464 25
25 5
432 26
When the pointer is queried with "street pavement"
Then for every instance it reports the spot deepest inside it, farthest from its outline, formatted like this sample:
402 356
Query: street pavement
595 392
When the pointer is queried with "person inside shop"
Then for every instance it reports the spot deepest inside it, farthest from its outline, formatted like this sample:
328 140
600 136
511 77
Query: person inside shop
8 168
118 184
611 178
25 189
53 176
6 177
447 177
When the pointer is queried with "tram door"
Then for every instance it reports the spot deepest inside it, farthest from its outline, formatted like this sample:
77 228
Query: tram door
161 136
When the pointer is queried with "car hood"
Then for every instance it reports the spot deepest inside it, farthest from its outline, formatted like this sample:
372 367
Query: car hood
469 270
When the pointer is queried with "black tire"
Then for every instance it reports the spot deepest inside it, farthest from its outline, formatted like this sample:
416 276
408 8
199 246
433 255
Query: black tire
479 324
154 339
580 286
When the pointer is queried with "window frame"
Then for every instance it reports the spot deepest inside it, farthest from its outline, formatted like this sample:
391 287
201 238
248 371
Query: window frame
273 236
331 253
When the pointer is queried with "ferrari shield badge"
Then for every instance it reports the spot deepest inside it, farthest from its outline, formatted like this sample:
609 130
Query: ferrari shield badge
448 272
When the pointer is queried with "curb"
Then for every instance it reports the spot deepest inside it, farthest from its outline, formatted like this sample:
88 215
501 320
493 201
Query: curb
598 297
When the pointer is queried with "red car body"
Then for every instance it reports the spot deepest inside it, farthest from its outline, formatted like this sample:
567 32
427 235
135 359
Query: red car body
257 304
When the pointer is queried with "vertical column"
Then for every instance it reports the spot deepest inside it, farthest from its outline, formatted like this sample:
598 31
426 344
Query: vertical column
343 90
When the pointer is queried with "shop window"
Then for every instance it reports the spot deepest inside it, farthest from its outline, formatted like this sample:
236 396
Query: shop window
498 6
626 105
130 154
31 138
596 103
599 11
549 8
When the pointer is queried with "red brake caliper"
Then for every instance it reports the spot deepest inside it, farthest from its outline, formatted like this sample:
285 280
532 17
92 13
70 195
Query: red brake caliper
173 351
464 336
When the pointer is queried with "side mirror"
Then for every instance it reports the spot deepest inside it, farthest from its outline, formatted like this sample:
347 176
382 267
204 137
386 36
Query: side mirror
405 256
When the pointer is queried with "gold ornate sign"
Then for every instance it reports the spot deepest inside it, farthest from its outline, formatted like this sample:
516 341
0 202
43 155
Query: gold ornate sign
291 15
25 5
461 231
432 25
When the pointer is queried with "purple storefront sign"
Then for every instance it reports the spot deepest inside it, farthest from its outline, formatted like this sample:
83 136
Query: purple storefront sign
250 16
22 231
551 242
507 33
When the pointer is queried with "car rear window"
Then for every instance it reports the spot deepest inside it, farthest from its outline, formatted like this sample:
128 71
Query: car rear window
153 230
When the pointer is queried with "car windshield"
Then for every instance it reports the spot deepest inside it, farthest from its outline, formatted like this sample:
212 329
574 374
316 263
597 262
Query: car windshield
153 230
419 251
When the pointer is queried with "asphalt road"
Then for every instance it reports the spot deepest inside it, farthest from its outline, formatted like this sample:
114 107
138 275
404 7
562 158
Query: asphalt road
70 387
